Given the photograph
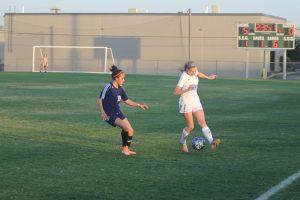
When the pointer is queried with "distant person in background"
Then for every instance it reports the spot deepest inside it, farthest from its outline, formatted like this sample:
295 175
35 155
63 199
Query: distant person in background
108 102
190 105
44 63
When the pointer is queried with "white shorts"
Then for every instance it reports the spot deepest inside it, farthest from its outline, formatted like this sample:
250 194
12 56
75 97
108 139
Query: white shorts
190 107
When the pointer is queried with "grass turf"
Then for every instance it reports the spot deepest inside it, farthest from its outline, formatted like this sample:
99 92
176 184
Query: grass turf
53 144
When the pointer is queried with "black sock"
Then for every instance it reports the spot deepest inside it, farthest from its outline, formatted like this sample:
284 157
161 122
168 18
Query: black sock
129 140
124 135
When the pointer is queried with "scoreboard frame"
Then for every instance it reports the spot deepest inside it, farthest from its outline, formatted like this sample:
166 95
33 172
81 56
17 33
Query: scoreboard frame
262 35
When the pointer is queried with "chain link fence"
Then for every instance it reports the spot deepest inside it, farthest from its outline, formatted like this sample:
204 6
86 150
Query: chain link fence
221 68
225 69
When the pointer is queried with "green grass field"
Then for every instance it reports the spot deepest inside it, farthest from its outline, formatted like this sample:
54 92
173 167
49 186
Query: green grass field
53 144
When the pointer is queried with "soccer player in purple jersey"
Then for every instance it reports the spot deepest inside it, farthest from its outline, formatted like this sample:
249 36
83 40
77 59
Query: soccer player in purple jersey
108 102
190 105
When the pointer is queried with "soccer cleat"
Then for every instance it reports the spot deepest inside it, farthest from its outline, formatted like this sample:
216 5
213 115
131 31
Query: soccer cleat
132 152
215 143
184 148
126 151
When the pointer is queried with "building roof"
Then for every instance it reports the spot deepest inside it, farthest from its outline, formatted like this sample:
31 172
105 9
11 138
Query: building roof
179 13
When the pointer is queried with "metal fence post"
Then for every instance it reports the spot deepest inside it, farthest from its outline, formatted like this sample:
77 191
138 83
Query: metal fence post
157 67
216 67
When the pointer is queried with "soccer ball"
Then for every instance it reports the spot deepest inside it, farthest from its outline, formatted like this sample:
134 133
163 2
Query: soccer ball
198 143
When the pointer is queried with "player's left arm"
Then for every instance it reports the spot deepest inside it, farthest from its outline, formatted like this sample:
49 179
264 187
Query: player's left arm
210 77
136 104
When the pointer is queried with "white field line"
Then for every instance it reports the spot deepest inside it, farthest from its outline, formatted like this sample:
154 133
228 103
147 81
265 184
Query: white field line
283 184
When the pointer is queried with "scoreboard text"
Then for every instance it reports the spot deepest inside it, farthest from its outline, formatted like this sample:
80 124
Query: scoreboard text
266 36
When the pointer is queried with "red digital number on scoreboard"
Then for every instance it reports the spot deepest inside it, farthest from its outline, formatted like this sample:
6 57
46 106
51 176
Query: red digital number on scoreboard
275 44
262 27
246 31
291 31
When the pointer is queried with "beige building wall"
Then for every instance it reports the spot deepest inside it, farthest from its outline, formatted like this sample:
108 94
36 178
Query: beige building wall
142 43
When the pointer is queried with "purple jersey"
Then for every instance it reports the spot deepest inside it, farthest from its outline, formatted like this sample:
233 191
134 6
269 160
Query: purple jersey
111 97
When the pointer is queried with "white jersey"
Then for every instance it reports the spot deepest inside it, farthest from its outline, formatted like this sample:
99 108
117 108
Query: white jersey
184 82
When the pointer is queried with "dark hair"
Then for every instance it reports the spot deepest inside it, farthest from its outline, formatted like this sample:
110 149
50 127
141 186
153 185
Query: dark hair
115 71
188 65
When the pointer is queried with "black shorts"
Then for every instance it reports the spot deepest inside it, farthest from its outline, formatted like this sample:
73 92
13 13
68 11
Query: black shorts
111 118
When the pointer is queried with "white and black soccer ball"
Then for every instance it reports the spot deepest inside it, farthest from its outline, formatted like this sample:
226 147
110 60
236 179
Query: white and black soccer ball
198 143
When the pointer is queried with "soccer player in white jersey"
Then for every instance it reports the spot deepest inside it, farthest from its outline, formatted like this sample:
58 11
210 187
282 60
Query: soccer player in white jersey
190 105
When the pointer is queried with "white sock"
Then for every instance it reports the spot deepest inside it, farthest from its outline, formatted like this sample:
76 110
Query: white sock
207 133
183 136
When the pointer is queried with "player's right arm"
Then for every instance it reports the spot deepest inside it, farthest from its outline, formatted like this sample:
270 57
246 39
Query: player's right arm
179 88
101 110
100 101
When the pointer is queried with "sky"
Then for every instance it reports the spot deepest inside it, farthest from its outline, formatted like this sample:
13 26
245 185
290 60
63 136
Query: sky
289 9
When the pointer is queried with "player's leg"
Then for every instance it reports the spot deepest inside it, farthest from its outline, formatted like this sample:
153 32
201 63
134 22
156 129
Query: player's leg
200 117
41 67
126 134
187 130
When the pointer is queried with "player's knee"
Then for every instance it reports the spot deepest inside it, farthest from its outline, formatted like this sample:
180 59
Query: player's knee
130 131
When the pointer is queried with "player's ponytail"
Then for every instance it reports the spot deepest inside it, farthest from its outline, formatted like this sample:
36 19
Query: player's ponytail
115 71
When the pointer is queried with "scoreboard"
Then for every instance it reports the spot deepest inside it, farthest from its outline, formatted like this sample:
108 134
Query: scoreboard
266 36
